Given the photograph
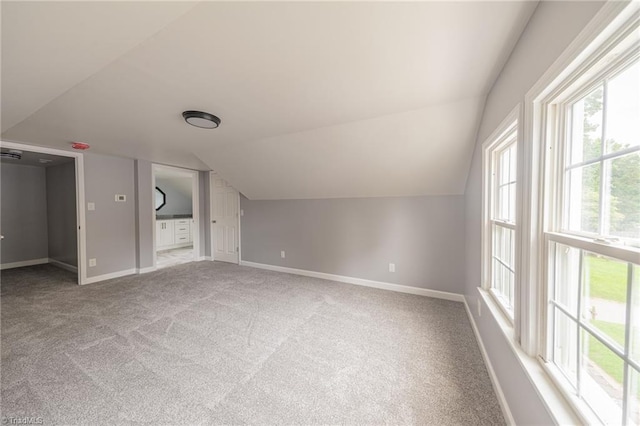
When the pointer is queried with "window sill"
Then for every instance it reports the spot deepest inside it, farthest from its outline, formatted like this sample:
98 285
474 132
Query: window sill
551 396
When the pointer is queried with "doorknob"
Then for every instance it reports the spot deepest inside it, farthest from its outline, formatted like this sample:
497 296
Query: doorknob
213 221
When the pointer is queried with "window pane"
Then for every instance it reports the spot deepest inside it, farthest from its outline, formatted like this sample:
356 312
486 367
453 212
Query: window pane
583 198
514 162
503 253
623 110
567 275
635 315
502 212
605 295
634 398
586 128
512 203
565 345
505 162
506 202
622 202
504 245
601 379
505 207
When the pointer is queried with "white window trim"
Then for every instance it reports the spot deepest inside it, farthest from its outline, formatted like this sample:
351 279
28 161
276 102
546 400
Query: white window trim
511 121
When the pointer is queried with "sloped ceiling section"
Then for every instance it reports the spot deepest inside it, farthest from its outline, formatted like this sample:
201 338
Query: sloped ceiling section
317 100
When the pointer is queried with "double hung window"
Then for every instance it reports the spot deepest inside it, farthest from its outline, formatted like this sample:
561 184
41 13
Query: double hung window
593 237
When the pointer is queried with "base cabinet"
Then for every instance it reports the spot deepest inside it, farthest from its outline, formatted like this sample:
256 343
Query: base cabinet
173 233
165 235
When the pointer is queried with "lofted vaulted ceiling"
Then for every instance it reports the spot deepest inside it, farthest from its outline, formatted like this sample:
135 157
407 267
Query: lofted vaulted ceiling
317 100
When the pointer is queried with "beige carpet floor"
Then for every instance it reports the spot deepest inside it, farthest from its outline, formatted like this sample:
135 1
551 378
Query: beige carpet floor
215 343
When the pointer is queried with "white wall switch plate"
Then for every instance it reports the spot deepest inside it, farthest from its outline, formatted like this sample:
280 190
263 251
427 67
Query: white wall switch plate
91 206
92 262
121 198
282 254
241 212
392 267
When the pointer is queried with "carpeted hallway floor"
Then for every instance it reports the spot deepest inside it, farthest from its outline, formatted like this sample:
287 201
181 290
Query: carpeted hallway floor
215 343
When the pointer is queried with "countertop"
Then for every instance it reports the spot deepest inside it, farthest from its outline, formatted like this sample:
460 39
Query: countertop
173 216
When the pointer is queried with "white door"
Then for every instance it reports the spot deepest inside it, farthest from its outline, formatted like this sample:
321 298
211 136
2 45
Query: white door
225 203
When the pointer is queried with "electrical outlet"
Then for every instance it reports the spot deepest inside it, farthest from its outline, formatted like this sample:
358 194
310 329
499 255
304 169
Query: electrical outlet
282 254
392 267
92 262
479 308
91 206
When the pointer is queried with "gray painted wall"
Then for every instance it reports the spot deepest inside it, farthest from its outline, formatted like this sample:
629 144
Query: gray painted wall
61 213
111 228
178 195
144 214
23 213
423 236
551 28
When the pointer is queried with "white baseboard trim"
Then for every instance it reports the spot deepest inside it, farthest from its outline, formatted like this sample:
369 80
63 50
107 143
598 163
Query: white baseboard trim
63 265
146 270
506 411
91 280
360 281
24 263
204 258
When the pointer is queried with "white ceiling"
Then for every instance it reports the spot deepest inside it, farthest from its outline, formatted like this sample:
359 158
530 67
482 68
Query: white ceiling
333 99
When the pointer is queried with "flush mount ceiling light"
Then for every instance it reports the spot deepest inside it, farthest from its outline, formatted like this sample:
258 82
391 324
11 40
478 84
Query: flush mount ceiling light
201 119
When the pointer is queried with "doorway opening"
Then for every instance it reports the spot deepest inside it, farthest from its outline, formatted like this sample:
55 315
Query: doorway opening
42 218
175 213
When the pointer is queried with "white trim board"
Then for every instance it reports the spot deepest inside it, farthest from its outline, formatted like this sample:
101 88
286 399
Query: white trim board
63 265
360 281
91 280
504 406
24 263
146 270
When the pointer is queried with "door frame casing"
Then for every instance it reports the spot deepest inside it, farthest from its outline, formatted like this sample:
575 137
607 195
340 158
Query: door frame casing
212 174
195 207
81 232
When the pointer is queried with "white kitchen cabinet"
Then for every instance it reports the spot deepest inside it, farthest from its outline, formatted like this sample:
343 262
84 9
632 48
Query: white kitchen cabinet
182 231
173 233
165 233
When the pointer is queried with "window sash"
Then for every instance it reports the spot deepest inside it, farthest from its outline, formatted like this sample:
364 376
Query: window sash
632 259
560 138
501 188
